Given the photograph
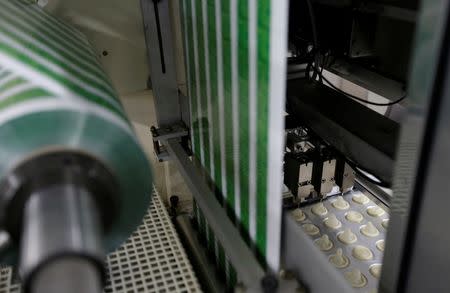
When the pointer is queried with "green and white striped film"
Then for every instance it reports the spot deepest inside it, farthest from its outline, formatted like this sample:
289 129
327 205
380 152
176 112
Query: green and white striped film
55 95
214 247
235 53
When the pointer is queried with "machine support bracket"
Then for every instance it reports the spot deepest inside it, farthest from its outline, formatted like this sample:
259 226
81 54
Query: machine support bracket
160 136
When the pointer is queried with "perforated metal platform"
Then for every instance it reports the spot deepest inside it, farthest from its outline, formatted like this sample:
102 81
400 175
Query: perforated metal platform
152 260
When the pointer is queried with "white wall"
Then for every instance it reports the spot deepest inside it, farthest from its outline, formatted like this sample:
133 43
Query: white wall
114 26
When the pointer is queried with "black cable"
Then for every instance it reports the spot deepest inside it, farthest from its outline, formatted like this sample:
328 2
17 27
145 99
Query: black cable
324 61
319 72
312 17
313 24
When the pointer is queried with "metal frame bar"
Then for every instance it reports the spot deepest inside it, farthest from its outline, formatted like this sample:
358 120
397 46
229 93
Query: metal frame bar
427 256
206 271
248 269
414 193
160 52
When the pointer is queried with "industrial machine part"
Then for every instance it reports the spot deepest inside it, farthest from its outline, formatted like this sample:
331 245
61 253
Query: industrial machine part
57 206
324 171
158 33
298 170
415 248
313 169
161 135
373 34
367 138
204 267
373 41
152 260
297 140
345 175
299 163
74 182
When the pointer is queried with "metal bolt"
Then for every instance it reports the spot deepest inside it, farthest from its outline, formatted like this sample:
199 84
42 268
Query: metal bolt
239 288
174 200
269 284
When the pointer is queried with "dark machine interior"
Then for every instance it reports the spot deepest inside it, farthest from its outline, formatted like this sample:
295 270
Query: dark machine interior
376 35
368 43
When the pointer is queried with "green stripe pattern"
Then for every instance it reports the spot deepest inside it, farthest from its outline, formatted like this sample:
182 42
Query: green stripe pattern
15 89
56 52
206 237
228 62
54 94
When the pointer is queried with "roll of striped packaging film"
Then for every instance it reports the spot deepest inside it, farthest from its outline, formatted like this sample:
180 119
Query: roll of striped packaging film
235 53
55 95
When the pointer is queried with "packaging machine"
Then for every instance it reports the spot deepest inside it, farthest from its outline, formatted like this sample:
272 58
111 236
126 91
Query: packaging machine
361 80
312 134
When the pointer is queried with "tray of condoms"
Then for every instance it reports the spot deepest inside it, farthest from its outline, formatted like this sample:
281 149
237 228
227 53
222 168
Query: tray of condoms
350 230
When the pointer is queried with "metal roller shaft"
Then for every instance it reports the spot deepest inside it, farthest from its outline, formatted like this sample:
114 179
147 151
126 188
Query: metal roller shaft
61 241
68 275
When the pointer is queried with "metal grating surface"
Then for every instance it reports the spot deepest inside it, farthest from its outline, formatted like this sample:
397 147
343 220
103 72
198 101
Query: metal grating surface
6 284
152 260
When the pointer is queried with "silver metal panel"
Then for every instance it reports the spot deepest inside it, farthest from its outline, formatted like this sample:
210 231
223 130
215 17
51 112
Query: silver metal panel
429 243
328 171
430 257
158 35
305 180
349 178
321 108
428 45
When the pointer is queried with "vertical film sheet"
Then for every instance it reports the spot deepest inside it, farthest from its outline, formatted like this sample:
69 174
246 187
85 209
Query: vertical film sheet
235 54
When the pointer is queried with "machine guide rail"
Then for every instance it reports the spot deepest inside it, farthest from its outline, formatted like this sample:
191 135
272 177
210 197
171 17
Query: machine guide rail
249 271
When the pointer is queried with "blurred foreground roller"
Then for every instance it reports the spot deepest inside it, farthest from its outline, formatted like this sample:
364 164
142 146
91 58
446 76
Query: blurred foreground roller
74 182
